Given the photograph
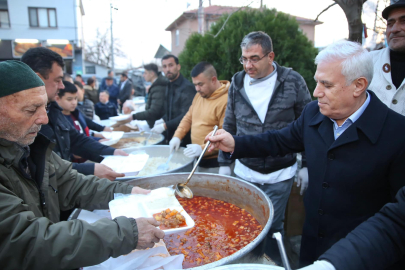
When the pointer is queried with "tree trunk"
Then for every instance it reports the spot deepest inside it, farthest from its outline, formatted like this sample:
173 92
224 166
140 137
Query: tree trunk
352 10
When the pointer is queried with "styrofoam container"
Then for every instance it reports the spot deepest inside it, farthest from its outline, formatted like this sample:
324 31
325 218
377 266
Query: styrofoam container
120 117
129 165
112 136
189 221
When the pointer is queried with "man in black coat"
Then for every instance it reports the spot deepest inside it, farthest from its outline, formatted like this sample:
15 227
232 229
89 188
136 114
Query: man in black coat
179 96
48 65
354 145
376 244
125 88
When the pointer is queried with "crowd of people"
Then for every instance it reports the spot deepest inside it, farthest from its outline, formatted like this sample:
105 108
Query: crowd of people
350 139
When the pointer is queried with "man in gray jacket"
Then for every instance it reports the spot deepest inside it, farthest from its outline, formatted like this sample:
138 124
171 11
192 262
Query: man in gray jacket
265 96
36 184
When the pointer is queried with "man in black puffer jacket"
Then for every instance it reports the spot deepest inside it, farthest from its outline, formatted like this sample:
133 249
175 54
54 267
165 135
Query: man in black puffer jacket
154 108
265 96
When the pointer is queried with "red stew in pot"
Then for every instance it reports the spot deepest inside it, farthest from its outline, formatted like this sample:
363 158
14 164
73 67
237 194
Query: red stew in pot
220 230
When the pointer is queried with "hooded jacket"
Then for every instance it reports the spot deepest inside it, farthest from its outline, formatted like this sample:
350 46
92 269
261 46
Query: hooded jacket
91 93
289 98
32 236
154 108
200 122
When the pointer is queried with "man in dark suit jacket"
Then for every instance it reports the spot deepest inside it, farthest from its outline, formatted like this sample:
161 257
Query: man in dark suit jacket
354 145
125 88
374 245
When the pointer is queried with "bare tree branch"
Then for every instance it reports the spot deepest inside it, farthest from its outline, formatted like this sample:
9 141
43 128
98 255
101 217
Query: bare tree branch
222 28
99 51
324 11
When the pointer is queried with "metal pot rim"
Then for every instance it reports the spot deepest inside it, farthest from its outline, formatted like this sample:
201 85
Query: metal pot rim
249 247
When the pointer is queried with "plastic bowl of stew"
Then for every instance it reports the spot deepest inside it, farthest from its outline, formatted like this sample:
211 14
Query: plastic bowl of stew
189 222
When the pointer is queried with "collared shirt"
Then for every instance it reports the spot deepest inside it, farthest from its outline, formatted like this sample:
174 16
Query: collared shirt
338 130
259 92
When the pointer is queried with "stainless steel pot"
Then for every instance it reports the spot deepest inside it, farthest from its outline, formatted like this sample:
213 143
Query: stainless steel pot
161 151
229 189
249 267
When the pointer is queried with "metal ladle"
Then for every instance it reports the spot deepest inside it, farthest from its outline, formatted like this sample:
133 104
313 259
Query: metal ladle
181 189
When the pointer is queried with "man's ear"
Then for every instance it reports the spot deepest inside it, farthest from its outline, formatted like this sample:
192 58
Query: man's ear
214 79
360 86
39 75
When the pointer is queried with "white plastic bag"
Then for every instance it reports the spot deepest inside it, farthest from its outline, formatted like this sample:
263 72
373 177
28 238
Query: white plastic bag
141 260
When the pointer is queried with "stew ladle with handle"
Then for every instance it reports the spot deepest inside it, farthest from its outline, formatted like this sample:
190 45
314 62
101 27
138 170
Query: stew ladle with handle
181 189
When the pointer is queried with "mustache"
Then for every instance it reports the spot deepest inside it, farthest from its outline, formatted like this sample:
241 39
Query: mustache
396 35
35 129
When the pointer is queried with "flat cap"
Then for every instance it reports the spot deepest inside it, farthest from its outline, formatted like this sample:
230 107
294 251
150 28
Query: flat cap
16 76
387 10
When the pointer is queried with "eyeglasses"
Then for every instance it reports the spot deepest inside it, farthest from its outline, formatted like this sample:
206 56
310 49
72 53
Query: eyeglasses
252 60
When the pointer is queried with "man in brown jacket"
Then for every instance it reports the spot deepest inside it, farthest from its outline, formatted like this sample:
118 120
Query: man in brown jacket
36 184
206 111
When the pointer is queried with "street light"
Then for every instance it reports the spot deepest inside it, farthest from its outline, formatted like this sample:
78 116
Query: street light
112 38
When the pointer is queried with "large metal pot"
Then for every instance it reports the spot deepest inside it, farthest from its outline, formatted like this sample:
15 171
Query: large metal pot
229 189
154 138
161 151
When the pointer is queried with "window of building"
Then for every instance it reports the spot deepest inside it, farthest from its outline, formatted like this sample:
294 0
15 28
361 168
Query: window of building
177 37
90 69
4 20
42 17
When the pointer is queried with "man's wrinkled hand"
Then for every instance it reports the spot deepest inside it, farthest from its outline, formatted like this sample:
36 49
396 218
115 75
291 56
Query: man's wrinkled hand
107 129
138 190
119 152
222 140
102 171
148 234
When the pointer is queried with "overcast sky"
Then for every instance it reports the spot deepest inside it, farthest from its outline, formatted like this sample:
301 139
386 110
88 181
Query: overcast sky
140 25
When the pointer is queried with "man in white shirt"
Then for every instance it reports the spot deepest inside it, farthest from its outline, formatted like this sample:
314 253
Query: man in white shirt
264 96
389 63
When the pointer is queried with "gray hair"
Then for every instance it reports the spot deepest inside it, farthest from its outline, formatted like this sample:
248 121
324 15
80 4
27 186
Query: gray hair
258 38
356 61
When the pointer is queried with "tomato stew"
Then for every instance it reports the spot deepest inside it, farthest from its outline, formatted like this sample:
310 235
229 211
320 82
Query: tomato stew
170 219
220 230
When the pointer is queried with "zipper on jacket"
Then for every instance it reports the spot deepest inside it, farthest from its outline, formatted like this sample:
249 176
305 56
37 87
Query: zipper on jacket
41 194
56 191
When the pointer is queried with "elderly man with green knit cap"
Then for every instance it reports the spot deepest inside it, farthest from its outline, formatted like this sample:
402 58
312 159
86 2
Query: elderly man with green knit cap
36 184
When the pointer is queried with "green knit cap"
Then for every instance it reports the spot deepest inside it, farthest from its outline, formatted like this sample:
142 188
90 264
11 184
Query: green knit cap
16 76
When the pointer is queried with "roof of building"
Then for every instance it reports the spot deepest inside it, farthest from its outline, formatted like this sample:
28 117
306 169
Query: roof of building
162 51
217 11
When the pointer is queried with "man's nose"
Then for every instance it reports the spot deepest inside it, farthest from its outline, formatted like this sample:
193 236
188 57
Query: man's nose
317 92
43 118
395 27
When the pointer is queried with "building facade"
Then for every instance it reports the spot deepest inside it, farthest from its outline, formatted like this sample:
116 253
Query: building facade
187 24
57 25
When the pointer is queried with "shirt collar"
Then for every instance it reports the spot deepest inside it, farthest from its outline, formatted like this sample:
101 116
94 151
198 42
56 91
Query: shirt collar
356 115
253 81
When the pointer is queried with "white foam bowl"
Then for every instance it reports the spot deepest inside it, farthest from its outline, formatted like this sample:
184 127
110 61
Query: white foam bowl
113 137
